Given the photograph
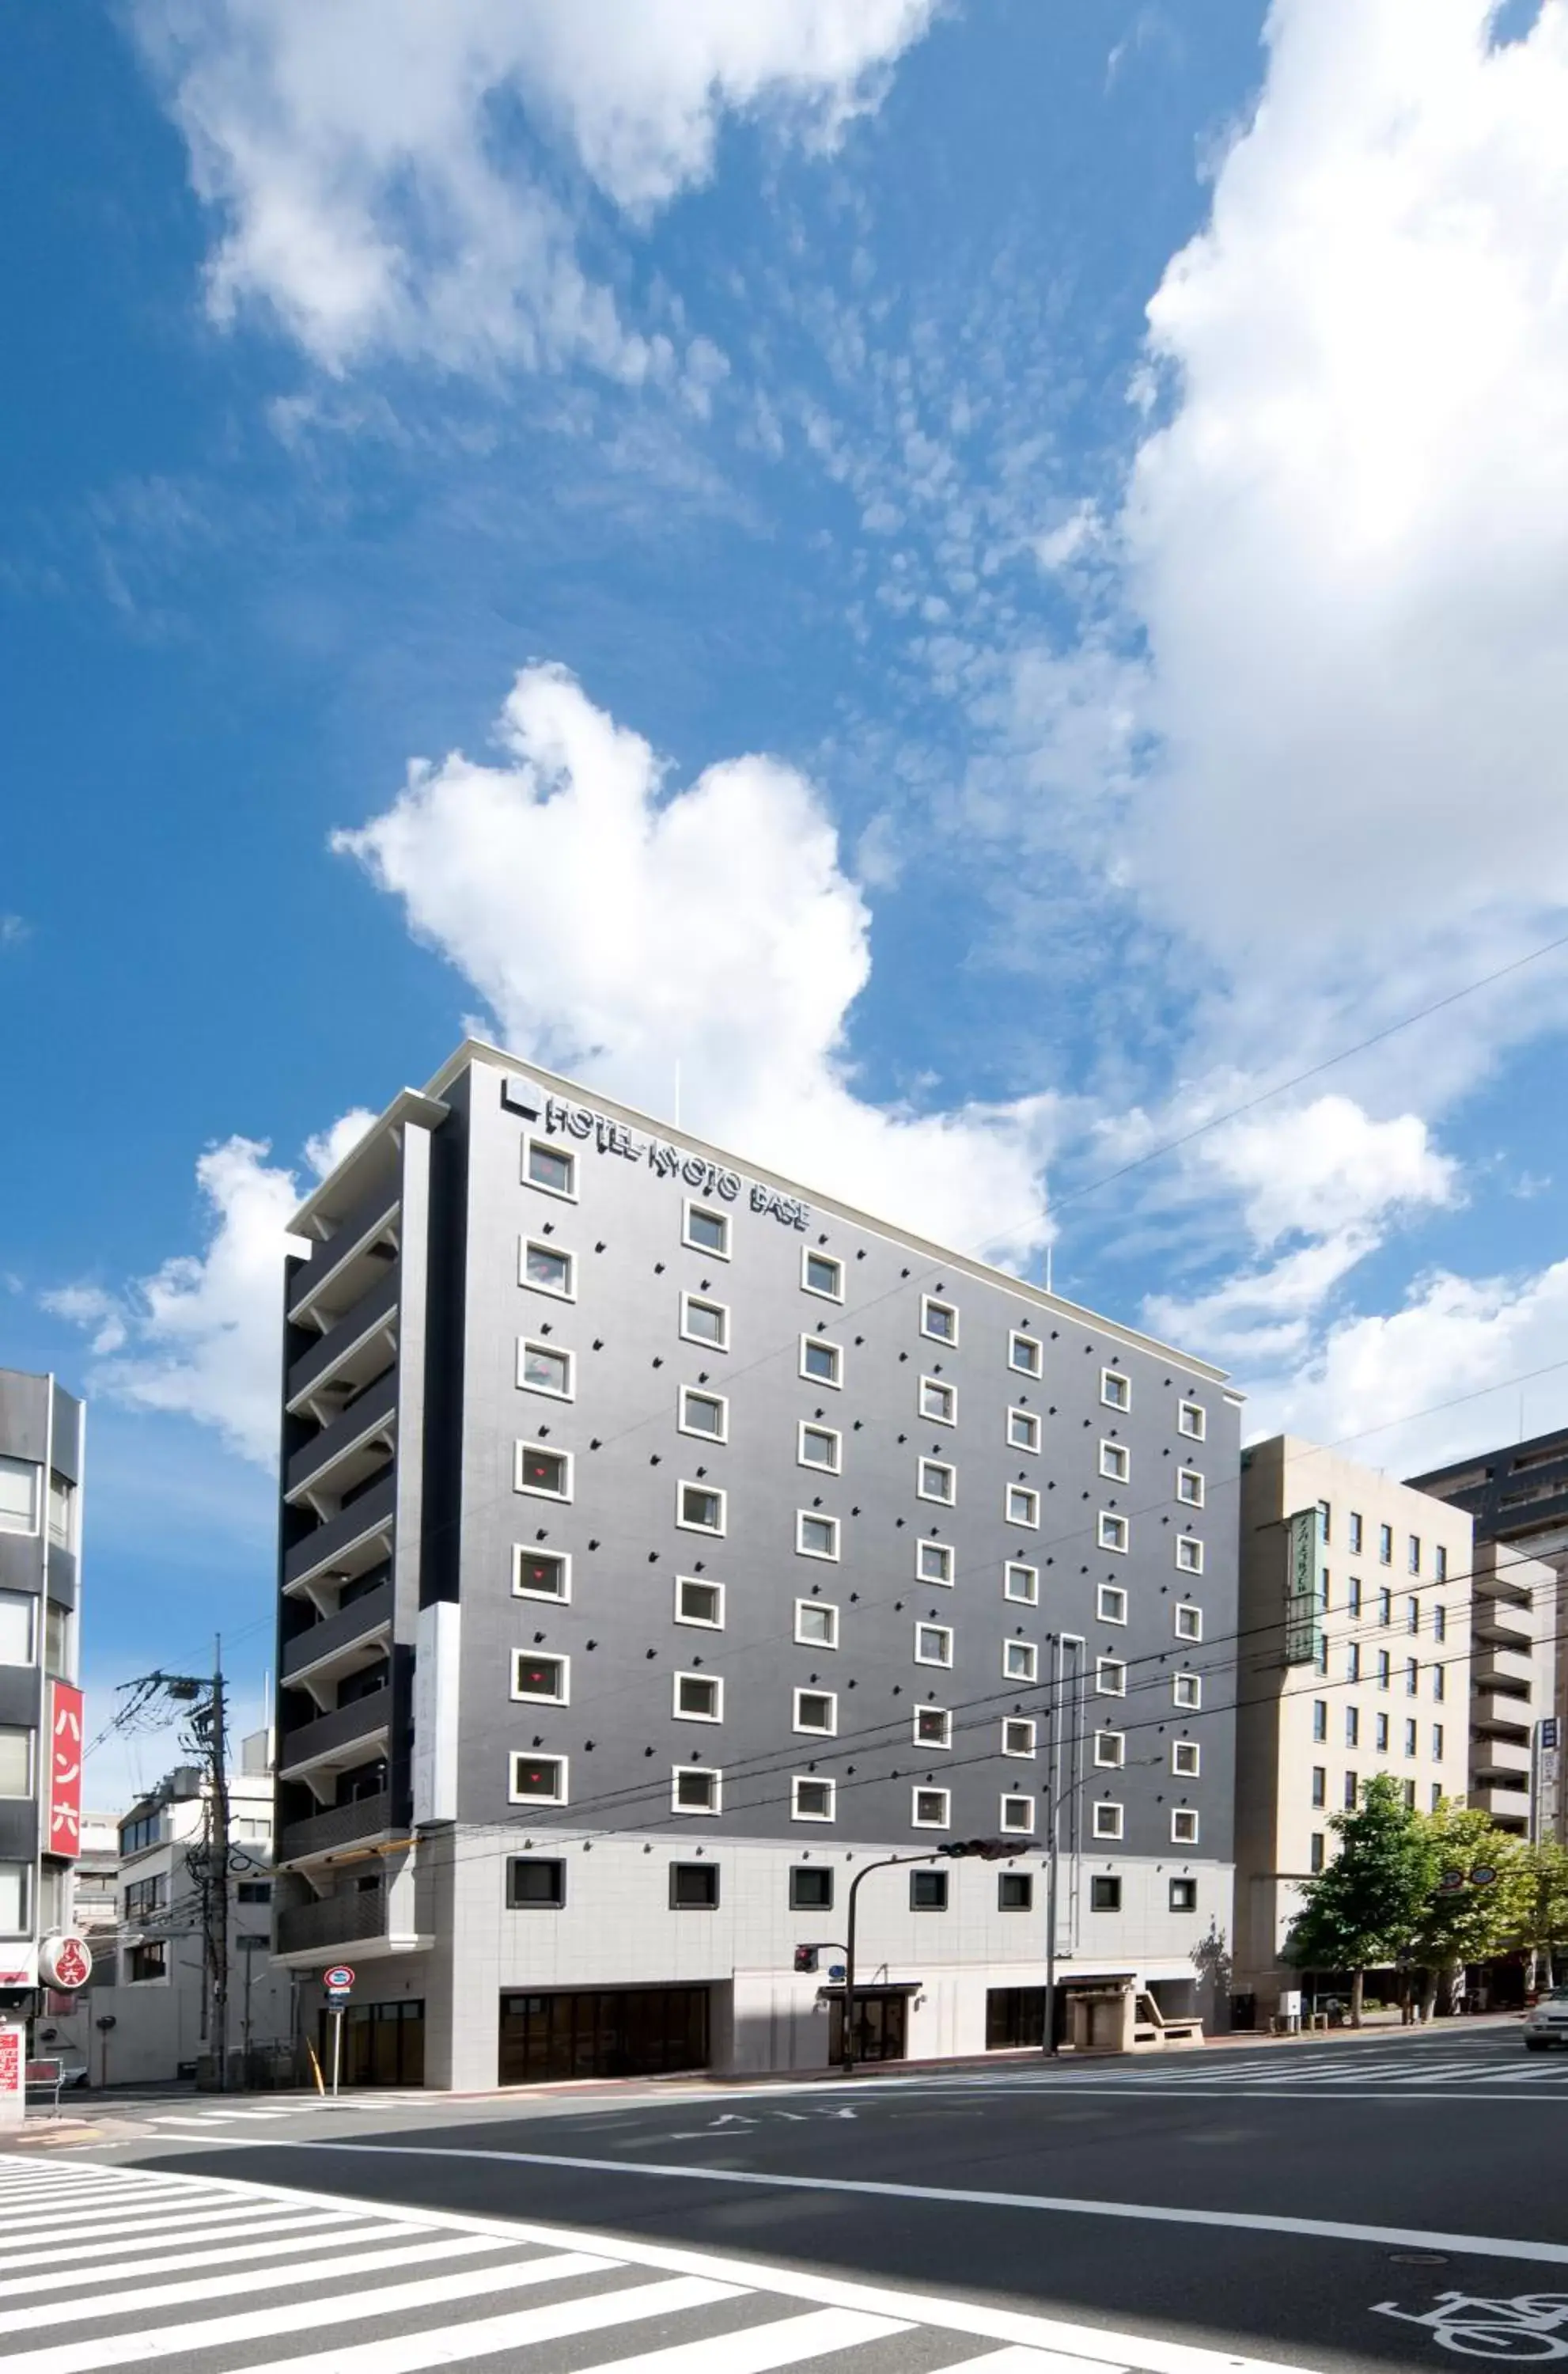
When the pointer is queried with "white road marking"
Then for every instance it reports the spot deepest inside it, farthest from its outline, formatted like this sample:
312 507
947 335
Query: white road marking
185 2260
758 2349
124 2233
406 2354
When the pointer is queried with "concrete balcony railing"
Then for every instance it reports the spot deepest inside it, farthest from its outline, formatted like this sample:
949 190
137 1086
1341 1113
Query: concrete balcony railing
1510 1808
348 1531
376 1311
1495 1759
332 1922
352 1627
370 1413
1492 1711
340 1825
1501 1666
333 1263
344 1736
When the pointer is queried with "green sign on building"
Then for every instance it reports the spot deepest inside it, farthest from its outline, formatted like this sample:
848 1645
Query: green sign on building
1304 1629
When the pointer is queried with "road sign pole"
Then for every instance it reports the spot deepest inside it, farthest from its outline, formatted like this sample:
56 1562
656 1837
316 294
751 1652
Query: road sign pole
336 2047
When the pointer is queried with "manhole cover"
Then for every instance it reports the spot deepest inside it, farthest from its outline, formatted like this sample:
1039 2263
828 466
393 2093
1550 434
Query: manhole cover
1417 2258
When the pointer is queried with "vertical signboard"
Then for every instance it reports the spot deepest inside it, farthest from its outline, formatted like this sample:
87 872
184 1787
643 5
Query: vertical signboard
64 1770
1302 1624
13 2075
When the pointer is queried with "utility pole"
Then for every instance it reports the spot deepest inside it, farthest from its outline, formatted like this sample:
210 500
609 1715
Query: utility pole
217 1869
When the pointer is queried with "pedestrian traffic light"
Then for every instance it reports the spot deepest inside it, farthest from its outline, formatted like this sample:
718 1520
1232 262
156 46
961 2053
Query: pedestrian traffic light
805 1959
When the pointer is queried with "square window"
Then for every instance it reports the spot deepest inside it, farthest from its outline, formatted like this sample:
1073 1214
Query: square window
1023 1430
1020 1661
1116 1461
545 1269
1187 1689
1018 1813
1320 1717
928 1889
706 1231
693 1789
1112 1532
1325 1520
1105 1888
1184 1826
1352 1594
1184 1896
821 1362
933 1562
1018 1736
544 1368
819 1446
810 1887
939 1402
815 1536
1382 1734
1351 1792
1409 1739
1355 1529
550 1166
820 1273
1023 1354
1413 1555
1437 1681
545 1474
699 1602
1189 1488
535 1884
1110 1750
1440 1567
1107 1822
15 1761
1021 1583
1315 1851
1437 1743
1384 1545
933 1727
933 1644
1409 1792
704 1414
705 1323
1189 1621
1352 1661
1016 1891
1022 1505
693 1887
547 1679
1110 1677
936 1481
1186 1759
1412 1679
812 1800
929 1811
816 1711
938 1320
1385 1607
538 1779
1116 1391
1111 1604
699 1509
1189 1554
1440 1624
540 1574
697 1698
1412 1613
816 1624
1192 1420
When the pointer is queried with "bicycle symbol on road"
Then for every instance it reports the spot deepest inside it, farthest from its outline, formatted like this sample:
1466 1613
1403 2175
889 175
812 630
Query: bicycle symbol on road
1528 2326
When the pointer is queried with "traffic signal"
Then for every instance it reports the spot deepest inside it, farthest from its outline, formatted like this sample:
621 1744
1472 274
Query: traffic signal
805 1959
989 1850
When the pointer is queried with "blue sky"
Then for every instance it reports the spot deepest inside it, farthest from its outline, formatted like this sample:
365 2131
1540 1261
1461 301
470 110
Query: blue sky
990 579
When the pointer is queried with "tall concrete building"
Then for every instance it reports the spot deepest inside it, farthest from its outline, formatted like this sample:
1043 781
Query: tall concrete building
1354 1659
660 1543
41 1440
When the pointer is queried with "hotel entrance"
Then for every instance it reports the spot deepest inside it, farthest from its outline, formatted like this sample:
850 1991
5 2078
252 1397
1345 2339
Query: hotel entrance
603 2032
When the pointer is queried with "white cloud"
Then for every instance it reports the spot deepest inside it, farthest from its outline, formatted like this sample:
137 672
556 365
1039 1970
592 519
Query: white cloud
329 1148
354 151
618 928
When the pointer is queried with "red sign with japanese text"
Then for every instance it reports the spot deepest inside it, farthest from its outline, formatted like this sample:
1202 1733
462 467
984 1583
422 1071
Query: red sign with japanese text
10 2060
64 1770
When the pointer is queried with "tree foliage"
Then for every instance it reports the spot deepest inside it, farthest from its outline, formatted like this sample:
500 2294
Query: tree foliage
1360 1910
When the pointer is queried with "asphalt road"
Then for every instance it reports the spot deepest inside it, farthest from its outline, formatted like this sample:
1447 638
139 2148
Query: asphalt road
1138 2200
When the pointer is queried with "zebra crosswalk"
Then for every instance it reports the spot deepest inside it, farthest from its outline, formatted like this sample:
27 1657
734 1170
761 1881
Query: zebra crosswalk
1491 2063
103 2266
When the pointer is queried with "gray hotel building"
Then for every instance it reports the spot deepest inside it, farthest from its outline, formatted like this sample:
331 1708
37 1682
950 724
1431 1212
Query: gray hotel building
661 1541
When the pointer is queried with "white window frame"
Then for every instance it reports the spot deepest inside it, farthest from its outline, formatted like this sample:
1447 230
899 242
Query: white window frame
930 1302
1189 1553
1189 1487
526 1245
713 1682
1110 1751
1109 1820
1017 1500
829 1730
688 1525
1011 1723
799 1781
1187 1760
530 1138
1192 1420
1106 1593
1115 1389
561 1598
526 1343
834 1384
527 1797
833 1466
1103 1668
1028 1654
697 1812
699 1623
804 1517
537 1491
1112 1532
918 1821
948 1500
935 1417
809 1254
1186 1692
1116 1461
824 1606
945 1716
1011 1804
532 1698
1188 1620
936 1582
691 1204
1031 1368
706 1302
1013 1567
1184 1826
1032 1426
701 1433
943 1663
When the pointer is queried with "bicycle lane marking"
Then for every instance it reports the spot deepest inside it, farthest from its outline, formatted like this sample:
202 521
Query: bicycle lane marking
1522 2328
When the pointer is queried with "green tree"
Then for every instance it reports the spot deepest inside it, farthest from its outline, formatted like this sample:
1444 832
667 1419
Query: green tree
1360 1911
1466 1923
1543 1925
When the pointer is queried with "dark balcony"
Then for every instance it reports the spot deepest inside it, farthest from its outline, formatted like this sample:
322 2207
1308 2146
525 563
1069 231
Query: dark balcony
339 1826
327 1278
350 1352
353 1627
347 1536
340 1738
348 1439
331 1921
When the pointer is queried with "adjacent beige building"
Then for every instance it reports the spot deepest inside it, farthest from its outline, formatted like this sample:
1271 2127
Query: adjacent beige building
1353 1659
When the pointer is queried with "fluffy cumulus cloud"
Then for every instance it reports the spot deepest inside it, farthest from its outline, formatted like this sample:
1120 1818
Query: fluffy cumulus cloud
619 928
375 191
